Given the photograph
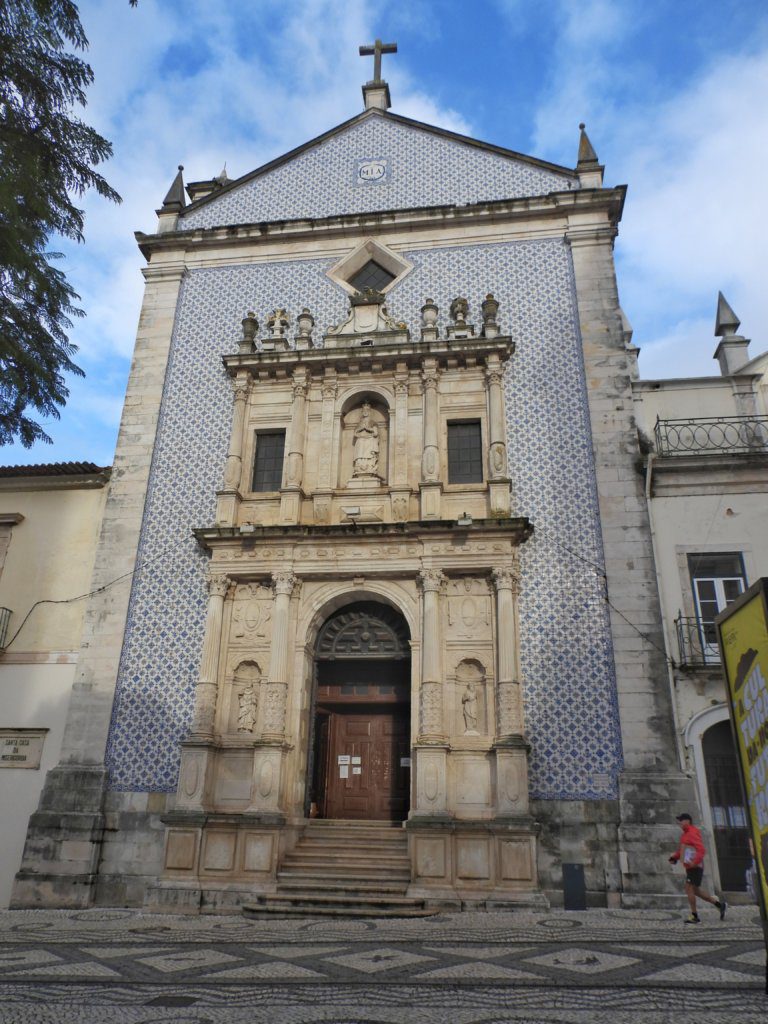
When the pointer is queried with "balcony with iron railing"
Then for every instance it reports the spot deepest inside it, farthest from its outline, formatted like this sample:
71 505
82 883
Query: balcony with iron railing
721 435
696 642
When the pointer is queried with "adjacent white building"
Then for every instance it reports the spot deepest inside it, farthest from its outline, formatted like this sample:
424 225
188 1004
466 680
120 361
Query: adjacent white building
706 476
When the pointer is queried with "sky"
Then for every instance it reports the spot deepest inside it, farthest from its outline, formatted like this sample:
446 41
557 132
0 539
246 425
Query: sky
674 94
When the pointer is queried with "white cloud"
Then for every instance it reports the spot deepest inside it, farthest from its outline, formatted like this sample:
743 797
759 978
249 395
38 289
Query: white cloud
692 160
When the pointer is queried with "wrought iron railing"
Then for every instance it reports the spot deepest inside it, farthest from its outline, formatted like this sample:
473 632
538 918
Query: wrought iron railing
734 435
5 618
696 642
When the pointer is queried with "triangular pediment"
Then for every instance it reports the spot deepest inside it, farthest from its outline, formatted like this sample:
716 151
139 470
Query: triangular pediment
377 161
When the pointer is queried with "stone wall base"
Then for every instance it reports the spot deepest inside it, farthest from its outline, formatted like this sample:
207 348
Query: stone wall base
649 803
474 863
60 863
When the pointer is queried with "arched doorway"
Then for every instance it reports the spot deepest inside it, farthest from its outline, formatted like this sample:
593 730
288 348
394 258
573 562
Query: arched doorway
729 819
360 754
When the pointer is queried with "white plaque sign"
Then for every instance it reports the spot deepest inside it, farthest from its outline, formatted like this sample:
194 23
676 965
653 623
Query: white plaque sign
21 748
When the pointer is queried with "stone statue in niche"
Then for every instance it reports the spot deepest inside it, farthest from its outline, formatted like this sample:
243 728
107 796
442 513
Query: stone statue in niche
365 459
469 706
244 702
470 685
248 704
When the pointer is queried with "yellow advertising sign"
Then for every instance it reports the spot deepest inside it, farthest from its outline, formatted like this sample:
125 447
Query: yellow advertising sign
743 633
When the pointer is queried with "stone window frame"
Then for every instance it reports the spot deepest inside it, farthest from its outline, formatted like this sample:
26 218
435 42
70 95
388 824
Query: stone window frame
456 416
356 259
253 432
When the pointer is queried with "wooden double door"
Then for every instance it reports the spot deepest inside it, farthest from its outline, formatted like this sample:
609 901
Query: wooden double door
365 770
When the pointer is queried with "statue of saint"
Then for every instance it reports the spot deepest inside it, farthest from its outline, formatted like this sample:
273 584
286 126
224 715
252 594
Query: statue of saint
247 701
365 458
469 707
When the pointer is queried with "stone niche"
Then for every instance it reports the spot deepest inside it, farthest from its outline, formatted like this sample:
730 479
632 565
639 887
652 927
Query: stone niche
364 461
470 701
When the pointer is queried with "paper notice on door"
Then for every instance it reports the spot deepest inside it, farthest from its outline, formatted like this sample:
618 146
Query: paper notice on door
357 771
357 760
405 762
343 758
343 771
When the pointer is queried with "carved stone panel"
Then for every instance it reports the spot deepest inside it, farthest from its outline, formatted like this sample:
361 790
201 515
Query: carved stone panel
468 607
251 614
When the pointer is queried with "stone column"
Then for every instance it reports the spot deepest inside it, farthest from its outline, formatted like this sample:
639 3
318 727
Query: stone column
324 492
207 684
291 497
400 491
498 473
497 457
431 726
277 686
509 712
226 512
430 459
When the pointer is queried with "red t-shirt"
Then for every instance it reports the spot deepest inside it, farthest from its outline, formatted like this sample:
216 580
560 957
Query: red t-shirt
691 849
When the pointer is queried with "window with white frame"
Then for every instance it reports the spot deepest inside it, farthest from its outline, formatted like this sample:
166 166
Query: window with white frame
716 580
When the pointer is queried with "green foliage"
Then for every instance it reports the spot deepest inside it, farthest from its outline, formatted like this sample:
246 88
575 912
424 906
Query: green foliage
47 156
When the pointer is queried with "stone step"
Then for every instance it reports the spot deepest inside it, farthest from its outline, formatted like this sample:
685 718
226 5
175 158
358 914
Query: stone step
354 887
337 905
320 877
352 859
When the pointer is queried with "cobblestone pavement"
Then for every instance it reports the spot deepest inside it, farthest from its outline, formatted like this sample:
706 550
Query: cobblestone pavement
595 967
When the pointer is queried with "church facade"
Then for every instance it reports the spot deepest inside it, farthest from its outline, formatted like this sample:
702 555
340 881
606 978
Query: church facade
376 490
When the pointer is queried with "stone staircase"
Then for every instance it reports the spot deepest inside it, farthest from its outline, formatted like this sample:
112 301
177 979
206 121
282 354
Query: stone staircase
344 869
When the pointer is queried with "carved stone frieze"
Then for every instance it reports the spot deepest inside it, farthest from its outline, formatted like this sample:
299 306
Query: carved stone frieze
509 719
431 718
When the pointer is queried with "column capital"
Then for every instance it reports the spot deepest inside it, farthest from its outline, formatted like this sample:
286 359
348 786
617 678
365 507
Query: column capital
241 389
285 582
329 389
432 580
299 388
493 375
401 387
505 579
218 584
429 378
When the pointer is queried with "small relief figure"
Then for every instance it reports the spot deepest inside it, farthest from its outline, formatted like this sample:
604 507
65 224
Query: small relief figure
248 702
366 445
469 707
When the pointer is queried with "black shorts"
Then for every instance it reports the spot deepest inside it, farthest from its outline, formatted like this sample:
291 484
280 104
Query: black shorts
694 875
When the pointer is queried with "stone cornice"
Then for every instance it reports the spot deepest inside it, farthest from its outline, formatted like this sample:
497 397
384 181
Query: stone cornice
553 205
387 355
519 527
70 482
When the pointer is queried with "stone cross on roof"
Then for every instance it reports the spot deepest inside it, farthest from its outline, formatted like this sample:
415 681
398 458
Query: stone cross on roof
376 51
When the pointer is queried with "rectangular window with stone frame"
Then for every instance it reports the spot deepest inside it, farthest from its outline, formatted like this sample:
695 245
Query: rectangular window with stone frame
268 460
465 452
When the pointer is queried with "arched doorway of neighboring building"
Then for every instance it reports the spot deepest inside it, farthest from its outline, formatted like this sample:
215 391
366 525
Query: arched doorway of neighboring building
729 819
360 753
